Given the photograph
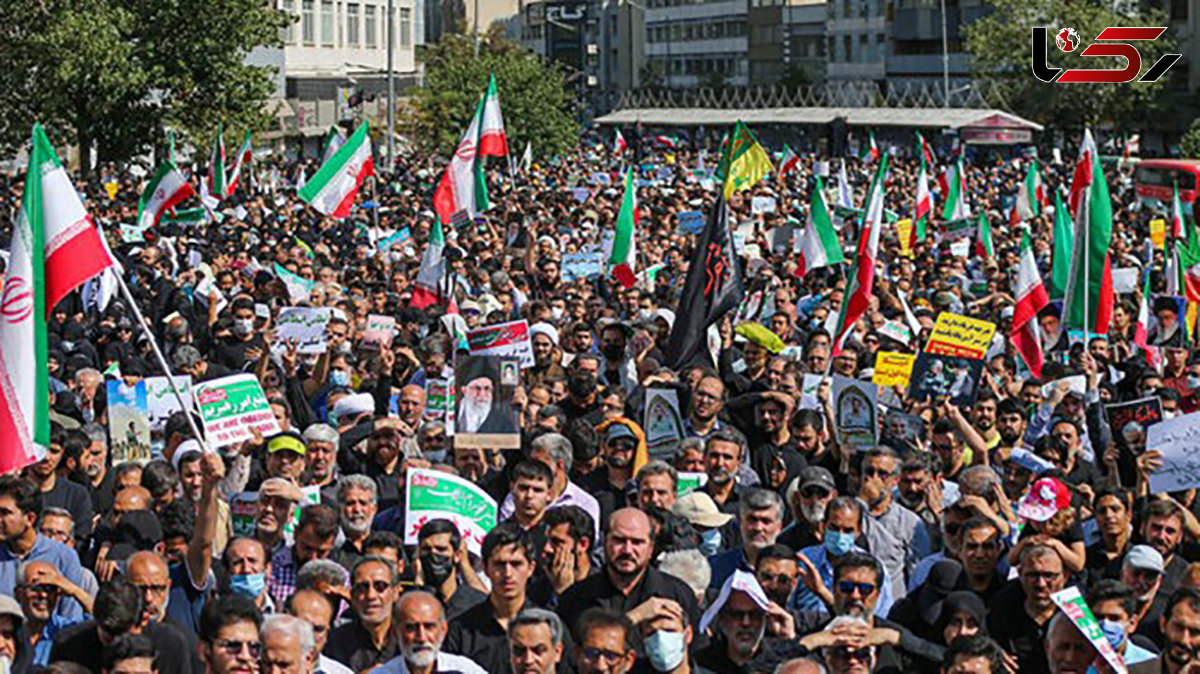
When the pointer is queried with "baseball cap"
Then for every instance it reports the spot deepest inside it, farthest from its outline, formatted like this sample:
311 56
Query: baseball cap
617 431
1145 557
10 607
1044 500
699 509
286 442
816 475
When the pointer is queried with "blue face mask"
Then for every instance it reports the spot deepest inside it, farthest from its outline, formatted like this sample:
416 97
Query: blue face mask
664 650
248 585
339 378
838 543
710 542
1113 631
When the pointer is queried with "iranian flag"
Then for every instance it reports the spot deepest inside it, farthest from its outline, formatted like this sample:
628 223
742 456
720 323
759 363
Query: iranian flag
923 208
463 187
333 142
983 238
167 188
334 186
1141 330
926 150
245 153
871 151
1176 214
619 144
1030 195
1031 299
426 287
819 246
55 249
217 183
623 258
956 201
492 140
1088 301
788 161
845 196
1082 178
862 278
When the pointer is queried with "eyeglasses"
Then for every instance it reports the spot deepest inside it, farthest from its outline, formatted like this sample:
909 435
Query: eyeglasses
235 647
156 589
741 616
380 586
44 588
876 472
778 578
850 586
847 653
596 654
814 492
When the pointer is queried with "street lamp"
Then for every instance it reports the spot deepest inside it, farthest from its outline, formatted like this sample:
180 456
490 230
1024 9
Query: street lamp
945 60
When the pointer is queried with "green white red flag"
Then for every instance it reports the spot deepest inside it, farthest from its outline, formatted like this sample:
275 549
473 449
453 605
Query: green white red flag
334 186
245 153
1141 329
862 278
1031 299
956 201
463 188
871 151
788 161
623 259
1176 213
166 188
428 284
923 208
55 249
1088 301
983 237
333 141
819 245
492 140
619 143
217 184
1030 194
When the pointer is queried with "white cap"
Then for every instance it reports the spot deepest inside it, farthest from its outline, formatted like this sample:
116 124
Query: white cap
354 405
544 329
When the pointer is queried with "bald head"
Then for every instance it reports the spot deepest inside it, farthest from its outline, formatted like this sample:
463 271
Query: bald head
419 603
420 627
31 572
312 607
629 518
130 499
628 546
147 571
799 666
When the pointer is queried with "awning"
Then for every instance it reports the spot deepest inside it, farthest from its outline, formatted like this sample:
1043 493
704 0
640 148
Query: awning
936 118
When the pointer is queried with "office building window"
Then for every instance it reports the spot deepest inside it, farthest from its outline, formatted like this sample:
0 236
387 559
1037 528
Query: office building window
405 27
327 23
308 24
352 39
370 27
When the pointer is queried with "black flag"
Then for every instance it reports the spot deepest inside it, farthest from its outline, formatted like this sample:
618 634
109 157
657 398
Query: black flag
713 288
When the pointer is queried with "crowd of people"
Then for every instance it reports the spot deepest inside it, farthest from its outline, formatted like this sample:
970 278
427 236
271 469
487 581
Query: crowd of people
938 547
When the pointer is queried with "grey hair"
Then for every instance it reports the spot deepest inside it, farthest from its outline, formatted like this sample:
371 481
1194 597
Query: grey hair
321 571
290 624
796 665
658 467
87 371
186 357
96 433
691 443
431 425
398 607
886 452
978 480
60 512
321 433
558 446
538 616
690 566
845 503
760 499
362 482
731 435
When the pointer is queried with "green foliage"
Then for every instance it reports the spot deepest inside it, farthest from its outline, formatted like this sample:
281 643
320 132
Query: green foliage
1189 145
109 74
533 96
1000 44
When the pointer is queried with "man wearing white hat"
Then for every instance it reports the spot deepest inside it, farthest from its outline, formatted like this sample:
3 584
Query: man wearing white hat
546 355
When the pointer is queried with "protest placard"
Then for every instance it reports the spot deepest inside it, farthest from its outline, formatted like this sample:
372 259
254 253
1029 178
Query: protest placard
580 266
903 232
760 205
298 287
510 340
484 413
434 495
1144 413
128 421
306 325
400 238
1076 383
662 421
160 399
379 332
897 331
1073 604
232 407
581 194
892 368
439 402
936 378
808 392
1178 440
243 510
854 408
132 233
689 222
689 482
1125 280
962 336
1158 233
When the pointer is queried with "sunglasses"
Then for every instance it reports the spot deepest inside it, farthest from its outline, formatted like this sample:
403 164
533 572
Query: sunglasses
597 654
850 586
235 647
847 653
814 492
378 585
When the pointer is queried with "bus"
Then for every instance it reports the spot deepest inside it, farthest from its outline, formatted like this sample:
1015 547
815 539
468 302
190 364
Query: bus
1156 179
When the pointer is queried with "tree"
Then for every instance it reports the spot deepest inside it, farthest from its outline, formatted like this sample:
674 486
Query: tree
536 103
1189 145
1000 43
110 74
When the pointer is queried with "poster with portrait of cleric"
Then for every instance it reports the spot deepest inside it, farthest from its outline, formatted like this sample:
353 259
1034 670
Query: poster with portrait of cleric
485 415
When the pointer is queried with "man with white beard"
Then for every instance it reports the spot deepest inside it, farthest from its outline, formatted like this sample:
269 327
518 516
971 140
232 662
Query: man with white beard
357 506
420 627
480 410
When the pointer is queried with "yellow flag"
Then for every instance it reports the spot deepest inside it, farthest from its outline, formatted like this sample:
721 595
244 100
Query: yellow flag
745 162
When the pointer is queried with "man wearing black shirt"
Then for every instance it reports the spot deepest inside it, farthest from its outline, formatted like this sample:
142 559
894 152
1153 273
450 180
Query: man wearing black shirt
723 452
612 483
481 632
441 557
627 584
1021 611
59 492
368 639
93 465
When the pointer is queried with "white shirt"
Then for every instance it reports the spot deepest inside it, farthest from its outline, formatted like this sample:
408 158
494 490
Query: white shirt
447 663
330 666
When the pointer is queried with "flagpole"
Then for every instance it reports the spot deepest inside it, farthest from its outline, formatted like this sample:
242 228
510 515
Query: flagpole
162 361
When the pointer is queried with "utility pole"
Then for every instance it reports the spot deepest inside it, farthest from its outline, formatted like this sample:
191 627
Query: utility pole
945 61
391 86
